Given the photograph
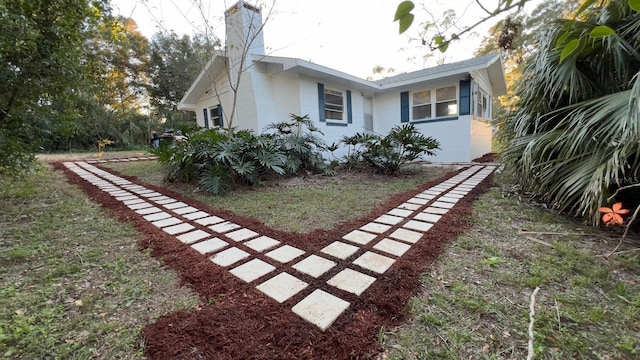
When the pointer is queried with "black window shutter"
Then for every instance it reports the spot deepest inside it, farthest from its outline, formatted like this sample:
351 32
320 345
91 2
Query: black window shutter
321 107
404 106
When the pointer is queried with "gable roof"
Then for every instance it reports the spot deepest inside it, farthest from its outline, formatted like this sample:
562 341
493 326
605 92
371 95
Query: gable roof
491 63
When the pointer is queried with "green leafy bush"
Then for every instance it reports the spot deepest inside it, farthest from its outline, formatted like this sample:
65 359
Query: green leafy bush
388 154
218 163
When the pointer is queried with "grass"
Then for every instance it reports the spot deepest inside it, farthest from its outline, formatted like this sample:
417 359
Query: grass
475 303
298 205
73 283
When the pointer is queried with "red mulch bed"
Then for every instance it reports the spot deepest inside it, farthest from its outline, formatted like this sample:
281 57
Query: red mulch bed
487 158
236 321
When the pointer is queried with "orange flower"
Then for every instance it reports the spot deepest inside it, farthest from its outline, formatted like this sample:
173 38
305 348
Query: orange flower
612 216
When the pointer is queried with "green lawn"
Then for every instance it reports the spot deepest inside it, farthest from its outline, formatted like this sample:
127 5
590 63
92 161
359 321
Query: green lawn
73 284
300 204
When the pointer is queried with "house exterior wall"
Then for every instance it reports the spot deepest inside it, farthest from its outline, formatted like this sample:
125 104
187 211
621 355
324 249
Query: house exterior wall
333 130
481 137
277 94
454 134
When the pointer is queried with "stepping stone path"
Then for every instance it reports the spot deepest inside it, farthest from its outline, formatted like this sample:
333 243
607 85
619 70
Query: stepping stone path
363 254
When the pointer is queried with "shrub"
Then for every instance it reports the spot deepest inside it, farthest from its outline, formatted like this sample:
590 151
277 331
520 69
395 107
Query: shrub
219 163
389 154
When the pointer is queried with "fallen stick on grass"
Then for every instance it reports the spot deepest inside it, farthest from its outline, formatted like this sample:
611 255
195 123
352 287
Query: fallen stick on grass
532 312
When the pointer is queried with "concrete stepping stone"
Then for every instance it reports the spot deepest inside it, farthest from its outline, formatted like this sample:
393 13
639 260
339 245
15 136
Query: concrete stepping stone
177 229
432 192
209 220
453 195
285 253
224 227
432 218
351 281
282 286
166 201
229 257
144 191
418 201
174 205
157 216
449 199
400 212
208 246
426 196
339 250
193 236
127 198
196 215
139 206
434 210
388 219
359 237
241 235
406 235
320 308
374 262
158 197
252 270
166 222
418 225
409 206
374 227
262 243
149 210
314 266
444 205
185 210
137 200
392 247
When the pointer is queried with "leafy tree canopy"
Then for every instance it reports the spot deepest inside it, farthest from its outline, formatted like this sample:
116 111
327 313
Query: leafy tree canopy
42 44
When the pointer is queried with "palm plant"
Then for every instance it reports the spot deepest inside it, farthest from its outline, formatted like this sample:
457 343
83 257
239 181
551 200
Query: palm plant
575 137
390 153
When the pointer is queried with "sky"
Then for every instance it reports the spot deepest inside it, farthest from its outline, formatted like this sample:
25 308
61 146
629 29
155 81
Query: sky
352 36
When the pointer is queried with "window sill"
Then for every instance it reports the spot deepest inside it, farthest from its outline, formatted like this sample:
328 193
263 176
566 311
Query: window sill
335 123
424 121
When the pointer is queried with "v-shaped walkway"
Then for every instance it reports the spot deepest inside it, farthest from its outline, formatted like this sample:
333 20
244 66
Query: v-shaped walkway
241 250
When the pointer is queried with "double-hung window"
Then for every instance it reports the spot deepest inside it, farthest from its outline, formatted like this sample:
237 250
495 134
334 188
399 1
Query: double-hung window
433 104
483 108
215 114
446 101
333 104
422 105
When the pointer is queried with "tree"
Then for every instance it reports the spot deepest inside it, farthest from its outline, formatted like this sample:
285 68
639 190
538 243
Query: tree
42 43
438 32
515 38
174 64
574 136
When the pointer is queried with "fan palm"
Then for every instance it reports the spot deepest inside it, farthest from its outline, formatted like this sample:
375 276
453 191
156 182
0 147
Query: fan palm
576 134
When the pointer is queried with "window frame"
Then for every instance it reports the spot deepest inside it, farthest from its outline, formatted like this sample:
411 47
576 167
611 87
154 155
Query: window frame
340 108
214 117
433 104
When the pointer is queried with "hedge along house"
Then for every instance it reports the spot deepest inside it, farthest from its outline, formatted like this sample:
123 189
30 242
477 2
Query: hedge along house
451 103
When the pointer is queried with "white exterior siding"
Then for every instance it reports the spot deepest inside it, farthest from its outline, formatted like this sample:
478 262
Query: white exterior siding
481 138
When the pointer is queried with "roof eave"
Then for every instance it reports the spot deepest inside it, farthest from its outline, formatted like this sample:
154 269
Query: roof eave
199 86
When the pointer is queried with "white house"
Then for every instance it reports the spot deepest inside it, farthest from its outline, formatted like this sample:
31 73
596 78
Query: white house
451 103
